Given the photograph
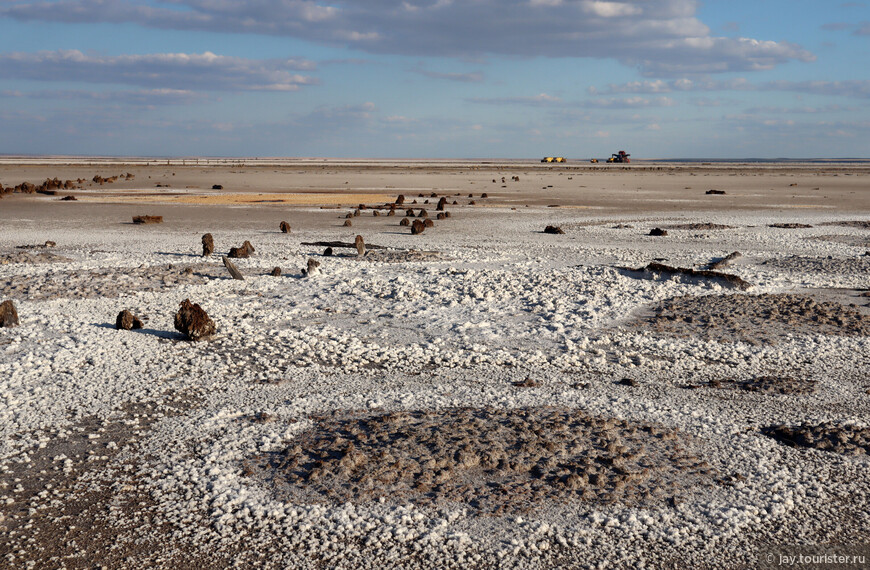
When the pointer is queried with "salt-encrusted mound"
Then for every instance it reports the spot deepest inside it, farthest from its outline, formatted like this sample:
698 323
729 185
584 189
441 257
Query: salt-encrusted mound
491 459
829 436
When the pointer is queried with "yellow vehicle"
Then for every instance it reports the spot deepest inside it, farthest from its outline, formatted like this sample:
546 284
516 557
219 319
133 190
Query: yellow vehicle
594 161
554 159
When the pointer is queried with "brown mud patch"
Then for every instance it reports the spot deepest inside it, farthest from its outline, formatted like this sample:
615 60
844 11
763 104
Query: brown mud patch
495 461
755 319
826 436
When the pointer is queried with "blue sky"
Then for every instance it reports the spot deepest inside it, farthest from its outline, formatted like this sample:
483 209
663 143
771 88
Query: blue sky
435 78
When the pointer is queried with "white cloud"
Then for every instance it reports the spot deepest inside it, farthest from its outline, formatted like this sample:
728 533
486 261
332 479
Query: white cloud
662 37
858 88
629 102
540 100
174 71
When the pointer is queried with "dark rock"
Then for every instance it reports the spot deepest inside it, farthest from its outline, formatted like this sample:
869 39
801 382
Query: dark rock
485 195
127 321
8 314
658 232
472 203
217 187
529 382
285 228
348 223
241 252
207 245
69 198
409 213
147 219
455 203
276 272
628 382
405 222
327 252
714 192
193 322
553 230
417 227
433 195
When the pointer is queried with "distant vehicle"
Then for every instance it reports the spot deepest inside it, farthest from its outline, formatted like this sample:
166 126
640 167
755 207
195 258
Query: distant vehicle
621 156
594 161
554 159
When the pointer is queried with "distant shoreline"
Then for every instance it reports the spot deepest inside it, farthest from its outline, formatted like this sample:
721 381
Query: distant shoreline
24 160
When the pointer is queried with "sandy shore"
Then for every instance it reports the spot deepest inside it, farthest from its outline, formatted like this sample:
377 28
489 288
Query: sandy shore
482 395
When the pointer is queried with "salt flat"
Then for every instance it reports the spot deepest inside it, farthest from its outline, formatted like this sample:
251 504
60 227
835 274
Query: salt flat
511 398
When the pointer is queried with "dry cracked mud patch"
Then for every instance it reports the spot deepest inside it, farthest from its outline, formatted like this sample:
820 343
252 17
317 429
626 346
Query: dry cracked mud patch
494 461
754 319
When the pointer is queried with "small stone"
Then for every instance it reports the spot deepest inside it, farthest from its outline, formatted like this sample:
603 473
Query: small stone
553 230
313 268
217 187
628 382
485 195
127 321
147 219
8 314
711 191
192 321
327 252
276 272
658 232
